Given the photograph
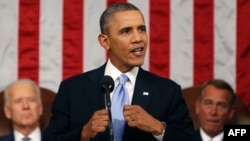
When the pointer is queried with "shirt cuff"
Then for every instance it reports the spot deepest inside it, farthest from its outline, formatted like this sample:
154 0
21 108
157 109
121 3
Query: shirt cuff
160 137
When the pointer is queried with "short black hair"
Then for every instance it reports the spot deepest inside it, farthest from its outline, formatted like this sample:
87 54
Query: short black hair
110 11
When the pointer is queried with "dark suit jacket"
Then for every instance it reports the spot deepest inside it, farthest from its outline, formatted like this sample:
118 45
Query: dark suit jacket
9 137
80 96
198 134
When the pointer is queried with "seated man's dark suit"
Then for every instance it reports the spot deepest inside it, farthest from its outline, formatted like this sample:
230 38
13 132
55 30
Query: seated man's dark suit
80 96
9 137
199 134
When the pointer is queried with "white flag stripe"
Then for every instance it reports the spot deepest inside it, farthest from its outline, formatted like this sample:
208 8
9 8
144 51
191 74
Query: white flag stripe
145 9
225 40
8 41
94 55
50 44
181 39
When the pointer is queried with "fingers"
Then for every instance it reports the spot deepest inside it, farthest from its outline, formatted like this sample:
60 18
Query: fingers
100 115
132 111
127 118
99 120
136 116
132 115
97 123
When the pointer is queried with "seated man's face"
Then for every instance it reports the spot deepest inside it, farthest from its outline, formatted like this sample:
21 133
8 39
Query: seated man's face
24 106
214 110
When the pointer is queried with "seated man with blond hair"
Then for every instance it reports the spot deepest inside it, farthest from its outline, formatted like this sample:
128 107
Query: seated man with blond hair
23 106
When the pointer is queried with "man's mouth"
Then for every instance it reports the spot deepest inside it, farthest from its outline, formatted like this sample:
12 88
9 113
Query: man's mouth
137 51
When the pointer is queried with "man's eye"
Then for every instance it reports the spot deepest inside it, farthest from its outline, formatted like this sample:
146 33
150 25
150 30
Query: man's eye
32 99
125 31
142 29
18 101
222 106
207 103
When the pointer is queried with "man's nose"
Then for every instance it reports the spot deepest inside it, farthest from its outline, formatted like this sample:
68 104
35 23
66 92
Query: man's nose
136 37
25 104
213 110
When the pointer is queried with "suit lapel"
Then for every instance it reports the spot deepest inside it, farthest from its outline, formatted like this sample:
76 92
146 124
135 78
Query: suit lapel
142 95
95 95
9 137
94 91
142 92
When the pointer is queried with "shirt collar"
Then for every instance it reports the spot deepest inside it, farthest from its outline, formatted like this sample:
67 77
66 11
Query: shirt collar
112 71
34 135
205 137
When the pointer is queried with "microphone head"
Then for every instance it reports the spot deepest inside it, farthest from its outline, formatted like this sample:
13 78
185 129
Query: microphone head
107 83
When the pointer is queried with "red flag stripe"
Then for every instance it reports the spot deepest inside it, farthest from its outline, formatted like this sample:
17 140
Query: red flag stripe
110 2
203 40
72 37
243 50
28 41
20 54
159 37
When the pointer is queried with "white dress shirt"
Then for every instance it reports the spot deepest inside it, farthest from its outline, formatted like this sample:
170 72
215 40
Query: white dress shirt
34 136
112 71
205 137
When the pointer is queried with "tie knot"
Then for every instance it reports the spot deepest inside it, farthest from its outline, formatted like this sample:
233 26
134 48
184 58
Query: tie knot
26 139
123 78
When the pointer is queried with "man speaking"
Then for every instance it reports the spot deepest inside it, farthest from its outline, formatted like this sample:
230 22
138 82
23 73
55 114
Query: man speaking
144 107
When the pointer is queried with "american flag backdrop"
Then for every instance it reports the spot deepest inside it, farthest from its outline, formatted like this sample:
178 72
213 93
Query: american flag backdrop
190 41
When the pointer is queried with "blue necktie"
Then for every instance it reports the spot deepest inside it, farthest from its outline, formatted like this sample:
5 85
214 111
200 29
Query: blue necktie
120 97
26 139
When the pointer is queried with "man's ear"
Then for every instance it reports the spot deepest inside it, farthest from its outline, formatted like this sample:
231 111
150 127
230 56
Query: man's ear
41 108
103 40
197 106
7 111
231 112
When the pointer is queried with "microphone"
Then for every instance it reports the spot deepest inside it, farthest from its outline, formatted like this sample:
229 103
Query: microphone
107 84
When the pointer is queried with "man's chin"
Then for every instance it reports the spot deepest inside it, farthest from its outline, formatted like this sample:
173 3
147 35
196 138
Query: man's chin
137 63
213 130
27 123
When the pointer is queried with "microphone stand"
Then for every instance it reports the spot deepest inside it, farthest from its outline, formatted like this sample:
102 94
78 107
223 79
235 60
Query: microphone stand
108 107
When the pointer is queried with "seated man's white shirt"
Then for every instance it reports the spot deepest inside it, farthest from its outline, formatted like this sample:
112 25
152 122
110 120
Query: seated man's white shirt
112 71
205 137
34 136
